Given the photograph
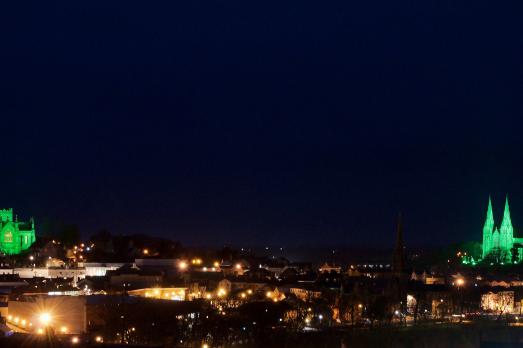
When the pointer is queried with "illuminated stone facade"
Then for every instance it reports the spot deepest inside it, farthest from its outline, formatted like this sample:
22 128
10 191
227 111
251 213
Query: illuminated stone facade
498 243
502 301
15 236
174 294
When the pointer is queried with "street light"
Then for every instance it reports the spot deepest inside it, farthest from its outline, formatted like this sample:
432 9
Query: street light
460 282
45 318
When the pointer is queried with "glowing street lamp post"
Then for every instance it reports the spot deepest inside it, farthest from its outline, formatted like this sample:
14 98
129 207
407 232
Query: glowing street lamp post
45 320
460 283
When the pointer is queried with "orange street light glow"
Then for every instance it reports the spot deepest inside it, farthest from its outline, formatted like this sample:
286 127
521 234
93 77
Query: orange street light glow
45 318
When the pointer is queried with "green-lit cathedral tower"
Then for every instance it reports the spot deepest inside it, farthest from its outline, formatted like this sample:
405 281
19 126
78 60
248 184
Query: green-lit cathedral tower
15 236
498 241
488 229
506 232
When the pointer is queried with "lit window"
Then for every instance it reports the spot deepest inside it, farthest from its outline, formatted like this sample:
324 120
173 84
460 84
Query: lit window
8 237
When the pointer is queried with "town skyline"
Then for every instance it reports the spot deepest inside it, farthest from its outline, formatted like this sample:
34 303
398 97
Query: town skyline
386 243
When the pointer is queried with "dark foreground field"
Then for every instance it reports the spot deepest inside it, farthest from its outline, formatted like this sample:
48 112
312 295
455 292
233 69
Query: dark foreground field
435 336
484 335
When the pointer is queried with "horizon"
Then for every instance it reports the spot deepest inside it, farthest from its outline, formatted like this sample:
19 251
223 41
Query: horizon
385 245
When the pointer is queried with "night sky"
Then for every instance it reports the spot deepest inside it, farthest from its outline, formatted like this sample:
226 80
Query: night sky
280 123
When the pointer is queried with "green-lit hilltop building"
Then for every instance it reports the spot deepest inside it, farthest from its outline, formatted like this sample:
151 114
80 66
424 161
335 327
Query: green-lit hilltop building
15 236
499 244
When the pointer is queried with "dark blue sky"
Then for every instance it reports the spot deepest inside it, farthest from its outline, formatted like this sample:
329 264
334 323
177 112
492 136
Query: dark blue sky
294 122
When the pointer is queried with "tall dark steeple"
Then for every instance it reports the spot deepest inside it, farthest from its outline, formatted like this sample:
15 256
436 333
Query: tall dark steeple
398 258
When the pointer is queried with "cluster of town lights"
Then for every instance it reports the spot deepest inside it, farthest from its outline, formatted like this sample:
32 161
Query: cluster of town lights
167 293
244 294
78 250
18 321
275 296
214 268
44 318
196 261
184 264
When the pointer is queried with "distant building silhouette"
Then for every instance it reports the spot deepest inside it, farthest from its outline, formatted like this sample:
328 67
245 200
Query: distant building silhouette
398 257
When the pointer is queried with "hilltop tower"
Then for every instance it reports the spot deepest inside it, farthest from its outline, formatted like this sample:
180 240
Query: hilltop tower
15 236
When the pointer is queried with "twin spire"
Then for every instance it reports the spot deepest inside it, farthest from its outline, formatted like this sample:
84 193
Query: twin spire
506 221
500 240
489 221
506 215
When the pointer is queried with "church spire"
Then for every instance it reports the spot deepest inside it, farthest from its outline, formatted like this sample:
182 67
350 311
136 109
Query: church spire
488 229
506 215
506 234
398 258
489 221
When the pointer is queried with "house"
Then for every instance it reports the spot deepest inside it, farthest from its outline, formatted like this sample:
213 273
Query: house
134 278
247 284
99 268
173 294
275 266
329 268
225 285
236 268
275 295
501 302
434 280
305 293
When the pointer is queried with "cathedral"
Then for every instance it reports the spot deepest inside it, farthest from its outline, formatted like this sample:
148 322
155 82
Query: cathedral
498 243
15 236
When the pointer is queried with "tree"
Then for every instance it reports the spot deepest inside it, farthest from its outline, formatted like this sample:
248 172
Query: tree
515 253
378 309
